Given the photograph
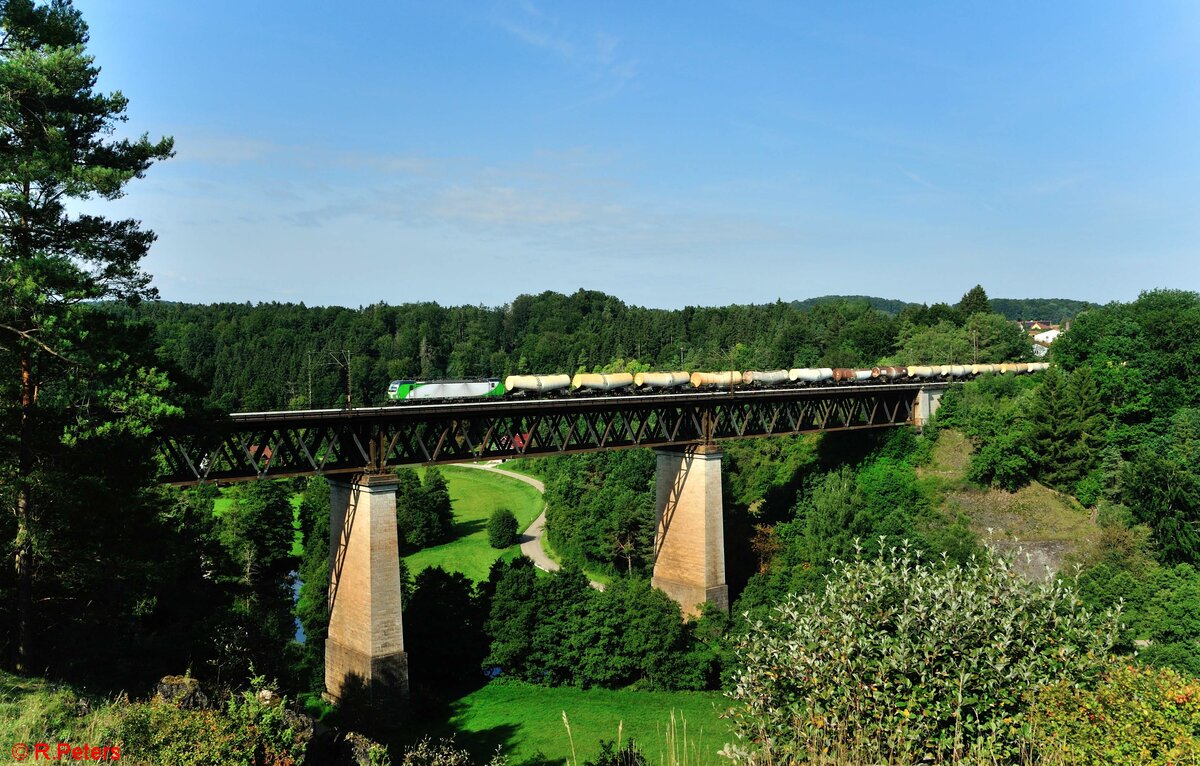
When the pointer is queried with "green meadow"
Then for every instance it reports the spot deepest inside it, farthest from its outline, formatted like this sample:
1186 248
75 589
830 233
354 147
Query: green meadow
474 495
526 723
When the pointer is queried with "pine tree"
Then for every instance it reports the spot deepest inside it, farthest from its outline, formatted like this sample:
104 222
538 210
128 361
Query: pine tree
1089 423
1055 430
974 301
56 148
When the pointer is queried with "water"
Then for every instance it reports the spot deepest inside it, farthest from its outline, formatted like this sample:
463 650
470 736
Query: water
296 600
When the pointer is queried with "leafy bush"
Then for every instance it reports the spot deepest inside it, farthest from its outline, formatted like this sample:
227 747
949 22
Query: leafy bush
502 528
1133 715
255 728
444 752
903 660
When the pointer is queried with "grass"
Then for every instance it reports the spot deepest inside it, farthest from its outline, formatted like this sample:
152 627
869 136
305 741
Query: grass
474 495
526 723
36 710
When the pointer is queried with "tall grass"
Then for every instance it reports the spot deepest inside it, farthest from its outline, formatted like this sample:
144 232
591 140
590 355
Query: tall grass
33 710
679 748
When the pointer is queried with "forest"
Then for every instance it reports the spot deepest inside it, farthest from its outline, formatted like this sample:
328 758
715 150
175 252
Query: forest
1109 425
874 618
238 357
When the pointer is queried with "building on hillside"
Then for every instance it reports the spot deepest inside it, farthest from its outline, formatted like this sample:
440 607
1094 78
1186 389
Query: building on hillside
1042 340
1048 336
1033 326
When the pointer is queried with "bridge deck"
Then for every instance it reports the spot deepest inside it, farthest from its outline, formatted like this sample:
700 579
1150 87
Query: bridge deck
252 445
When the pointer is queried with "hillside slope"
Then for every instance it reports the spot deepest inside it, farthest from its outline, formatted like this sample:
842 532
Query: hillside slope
1047 527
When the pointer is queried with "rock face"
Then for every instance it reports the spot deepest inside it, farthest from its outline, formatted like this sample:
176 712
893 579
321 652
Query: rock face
356 750
1037 560
182 692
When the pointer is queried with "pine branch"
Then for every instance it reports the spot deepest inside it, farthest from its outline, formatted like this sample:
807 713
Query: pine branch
29 337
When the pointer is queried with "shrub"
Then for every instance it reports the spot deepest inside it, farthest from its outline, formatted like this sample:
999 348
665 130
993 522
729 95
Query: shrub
254 728
1133 715
444 752
904 660
502 528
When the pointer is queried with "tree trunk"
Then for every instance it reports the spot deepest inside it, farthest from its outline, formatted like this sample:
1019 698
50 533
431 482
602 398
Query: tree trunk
24 544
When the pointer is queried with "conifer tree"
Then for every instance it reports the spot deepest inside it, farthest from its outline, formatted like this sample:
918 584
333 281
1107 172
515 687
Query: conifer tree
974 301
57 147
1089 424
1055 429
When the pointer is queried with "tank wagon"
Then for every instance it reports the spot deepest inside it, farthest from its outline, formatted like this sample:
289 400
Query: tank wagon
601 384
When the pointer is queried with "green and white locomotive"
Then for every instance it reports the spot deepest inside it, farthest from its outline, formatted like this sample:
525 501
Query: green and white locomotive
403 390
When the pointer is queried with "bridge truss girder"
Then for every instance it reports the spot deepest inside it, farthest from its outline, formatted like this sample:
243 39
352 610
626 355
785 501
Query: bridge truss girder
282 444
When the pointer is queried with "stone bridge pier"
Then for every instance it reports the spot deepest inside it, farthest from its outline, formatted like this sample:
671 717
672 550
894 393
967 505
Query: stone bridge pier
689 540
928 402
364 652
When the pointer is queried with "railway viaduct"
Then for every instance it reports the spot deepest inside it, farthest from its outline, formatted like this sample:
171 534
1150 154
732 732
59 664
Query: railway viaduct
358 450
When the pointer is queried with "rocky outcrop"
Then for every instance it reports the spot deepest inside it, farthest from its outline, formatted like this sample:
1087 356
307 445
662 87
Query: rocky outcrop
183 692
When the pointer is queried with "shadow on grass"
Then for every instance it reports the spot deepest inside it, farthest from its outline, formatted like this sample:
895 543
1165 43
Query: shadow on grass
463 529
431 713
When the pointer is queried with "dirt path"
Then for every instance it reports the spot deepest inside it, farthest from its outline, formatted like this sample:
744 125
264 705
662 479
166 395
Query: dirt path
531 540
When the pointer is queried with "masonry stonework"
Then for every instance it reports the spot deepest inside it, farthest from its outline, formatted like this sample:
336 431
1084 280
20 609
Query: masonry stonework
928 402
364 651
689 542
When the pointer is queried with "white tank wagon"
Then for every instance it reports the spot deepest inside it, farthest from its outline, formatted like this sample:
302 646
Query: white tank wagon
536 383
602 381
662 379
725 378
810 374
769 378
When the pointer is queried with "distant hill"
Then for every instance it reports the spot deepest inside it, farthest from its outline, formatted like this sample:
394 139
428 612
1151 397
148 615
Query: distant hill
1050 309
886 305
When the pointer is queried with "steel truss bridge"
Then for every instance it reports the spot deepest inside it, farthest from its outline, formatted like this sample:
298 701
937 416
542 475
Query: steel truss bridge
246 446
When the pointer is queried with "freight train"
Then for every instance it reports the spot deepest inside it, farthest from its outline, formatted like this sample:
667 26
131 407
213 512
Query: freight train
624 382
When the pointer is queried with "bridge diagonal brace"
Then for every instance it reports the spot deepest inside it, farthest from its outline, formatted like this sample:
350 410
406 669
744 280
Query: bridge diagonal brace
589 420
535 434
364 452
679 420
643 425
630 432
443 432
747 413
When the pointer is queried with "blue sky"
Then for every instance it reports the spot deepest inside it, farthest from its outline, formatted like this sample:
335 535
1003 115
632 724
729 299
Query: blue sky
671 154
